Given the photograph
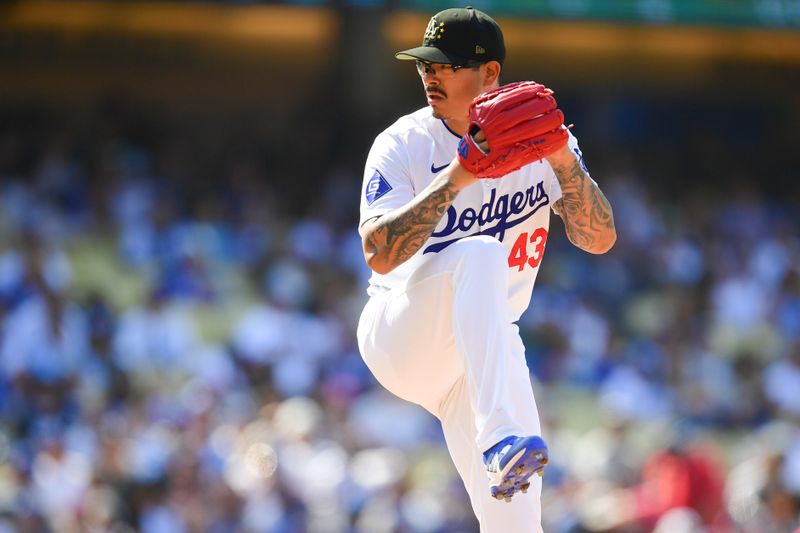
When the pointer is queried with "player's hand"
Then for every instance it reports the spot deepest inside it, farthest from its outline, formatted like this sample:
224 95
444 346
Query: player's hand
460 176
520 124
480 140
457 173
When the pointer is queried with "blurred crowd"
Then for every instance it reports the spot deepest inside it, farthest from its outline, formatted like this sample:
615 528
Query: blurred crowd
177 355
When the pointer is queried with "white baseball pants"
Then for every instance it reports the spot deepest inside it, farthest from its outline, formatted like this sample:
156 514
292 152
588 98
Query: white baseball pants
445 341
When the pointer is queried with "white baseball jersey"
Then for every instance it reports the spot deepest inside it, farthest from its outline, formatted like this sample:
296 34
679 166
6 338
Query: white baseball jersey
515 209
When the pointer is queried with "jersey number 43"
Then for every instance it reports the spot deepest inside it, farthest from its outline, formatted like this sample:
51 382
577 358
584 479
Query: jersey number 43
519 256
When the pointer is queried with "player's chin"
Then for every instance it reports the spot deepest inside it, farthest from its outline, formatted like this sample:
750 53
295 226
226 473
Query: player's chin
437 110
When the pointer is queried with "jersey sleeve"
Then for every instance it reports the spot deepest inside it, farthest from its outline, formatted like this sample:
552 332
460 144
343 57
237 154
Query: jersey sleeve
555 187
387 182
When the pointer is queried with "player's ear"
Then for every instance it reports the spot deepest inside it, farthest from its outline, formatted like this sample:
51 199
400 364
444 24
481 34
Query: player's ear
491 73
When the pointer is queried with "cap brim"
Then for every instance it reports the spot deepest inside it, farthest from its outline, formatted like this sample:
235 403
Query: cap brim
430 54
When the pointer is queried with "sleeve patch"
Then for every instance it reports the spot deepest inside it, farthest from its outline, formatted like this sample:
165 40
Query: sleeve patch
377 186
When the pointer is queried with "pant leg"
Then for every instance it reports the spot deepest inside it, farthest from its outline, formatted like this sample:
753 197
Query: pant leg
488 343
523 513
445 341
406 339
450 319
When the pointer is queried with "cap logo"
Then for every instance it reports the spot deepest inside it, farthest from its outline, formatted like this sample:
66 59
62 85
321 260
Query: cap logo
479 49
434 31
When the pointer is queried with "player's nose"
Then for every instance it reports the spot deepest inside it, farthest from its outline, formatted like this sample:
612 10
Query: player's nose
432 84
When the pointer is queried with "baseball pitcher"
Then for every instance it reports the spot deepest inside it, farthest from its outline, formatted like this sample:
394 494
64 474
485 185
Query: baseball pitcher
455 212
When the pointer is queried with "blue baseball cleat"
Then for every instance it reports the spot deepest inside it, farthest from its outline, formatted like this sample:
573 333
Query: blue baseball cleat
510 463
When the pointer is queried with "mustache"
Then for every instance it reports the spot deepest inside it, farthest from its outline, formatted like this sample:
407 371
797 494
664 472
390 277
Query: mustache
434 90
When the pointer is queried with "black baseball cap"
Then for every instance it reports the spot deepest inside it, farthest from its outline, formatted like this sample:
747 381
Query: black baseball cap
458 36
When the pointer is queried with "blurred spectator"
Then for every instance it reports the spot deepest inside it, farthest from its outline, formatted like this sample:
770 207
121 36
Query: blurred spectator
782 383
682 476
152 342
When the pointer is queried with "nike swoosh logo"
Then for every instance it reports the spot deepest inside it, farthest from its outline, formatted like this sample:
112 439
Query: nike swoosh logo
435 169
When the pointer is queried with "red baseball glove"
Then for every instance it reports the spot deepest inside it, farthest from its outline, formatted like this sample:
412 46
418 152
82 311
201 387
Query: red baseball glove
521 124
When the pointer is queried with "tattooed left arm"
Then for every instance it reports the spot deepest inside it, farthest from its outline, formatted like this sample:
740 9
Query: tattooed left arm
584 209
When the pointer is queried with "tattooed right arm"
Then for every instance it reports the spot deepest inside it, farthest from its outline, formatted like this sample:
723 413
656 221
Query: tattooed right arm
391 239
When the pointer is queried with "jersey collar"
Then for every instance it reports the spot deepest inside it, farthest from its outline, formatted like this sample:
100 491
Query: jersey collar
456 135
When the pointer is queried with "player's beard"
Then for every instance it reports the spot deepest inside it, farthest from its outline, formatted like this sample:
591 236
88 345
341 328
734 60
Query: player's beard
438 112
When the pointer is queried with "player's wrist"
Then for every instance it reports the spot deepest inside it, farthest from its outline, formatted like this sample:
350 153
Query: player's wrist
459 176
561 157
